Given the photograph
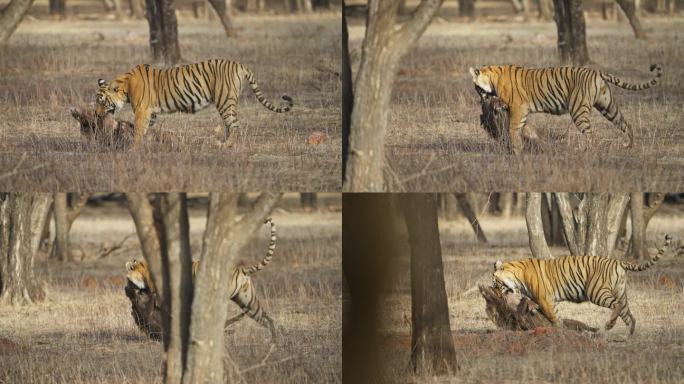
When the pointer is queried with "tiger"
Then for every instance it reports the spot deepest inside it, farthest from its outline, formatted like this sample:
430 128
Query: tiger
600 280
240 290
111 132
186 88
556 90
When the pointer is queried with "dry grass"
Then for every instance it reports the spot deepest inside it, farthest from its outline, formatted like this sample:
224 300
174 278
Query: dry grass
84 332
50 66
434 141
487 355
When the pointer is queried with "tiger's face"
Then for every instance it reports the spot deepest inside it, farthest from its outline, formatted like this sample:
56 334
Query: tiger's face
110 97
483 79
138 274
504 278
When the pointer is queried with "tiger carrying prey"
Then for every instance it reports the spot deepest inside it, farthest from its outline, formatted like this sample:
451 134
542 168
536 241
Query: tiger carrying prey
240 290
556 90
186 88
600 280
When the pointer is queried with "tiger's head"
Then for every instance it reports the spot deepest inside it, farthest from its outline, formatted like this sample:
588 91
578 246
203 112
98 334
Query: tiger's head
138 274
505 278
110 97
483 79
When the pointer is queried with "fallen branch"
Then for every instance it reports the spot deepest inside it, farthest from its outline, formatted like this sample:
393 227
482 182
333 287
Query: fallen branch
517 312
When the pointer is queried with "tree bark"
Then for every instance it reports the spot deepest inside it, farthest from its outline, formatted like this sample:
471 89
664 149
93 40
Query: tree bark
347 92
469 213
22 217
466 8
629 8
223 10
308 201
161 17
636 205
383 47
565 210
535 228
11 16
222 244
572 40
432 345
61 248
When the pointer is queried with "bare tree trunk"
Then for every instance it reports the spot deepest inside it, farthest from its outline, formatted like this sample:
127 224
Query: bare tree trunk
222 8
61 249
22 217
466 8
384 45
565 210
223 244
178 284
629 8
161 16
11 16
432 345
370 228
469 213
636 205
545 9
572 40
535 228
506 204
347 93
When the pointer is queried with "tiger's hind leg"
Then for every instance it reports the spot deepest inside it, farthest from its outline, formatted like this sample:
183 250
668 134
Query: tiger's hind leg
248 302
609 109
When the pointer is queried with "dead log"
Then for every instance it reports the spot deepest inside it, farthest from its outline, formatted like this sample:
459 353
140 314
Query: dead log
517 312
113 133
146 311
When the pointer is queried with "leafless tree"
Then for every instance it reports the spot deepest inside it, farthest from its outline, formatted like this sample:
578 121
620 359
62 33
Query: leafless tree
572 37
466 8
66 208
11 16
642 208
22 218
629 7
193 329
161 17
57 8
223 11
467 209
383 46
432 345
535 227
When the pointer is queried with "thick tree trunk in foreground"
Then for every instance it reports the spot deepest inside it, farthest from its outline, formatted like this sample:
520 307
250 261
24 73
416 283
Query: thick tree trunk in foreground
370 229
11 16
22 218
222 244
432 345
572 39
222 8
383 46
161 17
629 8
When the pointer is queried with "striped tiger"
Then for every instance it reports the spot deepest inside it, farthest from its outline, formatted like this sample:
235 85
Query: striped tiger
600 280
556 90
186 88
240 289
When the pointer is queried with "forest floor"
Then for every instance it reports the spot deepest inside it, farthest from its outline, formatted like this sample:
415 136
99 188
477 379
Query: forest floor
486 354
84 332
50 66
434 141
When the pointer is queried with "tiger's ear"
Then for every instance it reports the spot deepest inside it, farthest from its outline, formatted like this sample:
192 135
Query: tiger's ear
497 265
474 72
101 82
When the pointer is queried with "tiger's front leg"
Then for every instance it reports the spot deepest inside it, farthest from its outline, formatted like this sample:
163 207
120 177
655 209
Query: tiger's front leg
142 122
516 124
549 311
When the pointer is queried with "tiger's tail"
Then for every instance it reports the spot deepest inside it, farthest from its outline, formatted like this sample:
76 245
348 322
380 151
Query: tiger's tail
262 99
269 254
648 264
635 87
